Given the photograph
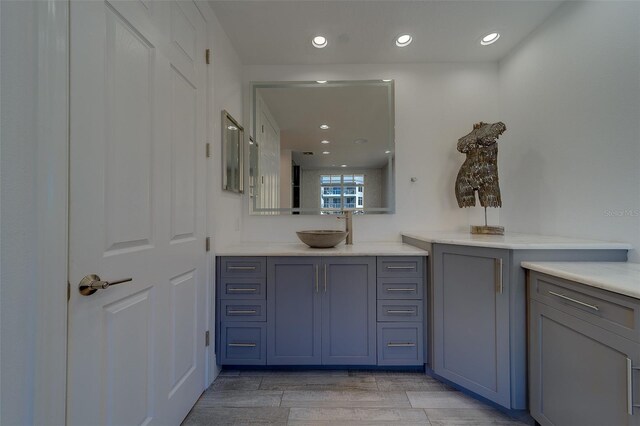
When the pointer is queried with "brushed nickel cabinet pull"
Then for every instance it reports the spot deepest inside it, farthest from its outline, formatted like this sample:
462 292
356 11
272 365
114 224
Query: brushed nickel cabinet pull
401 289
398 311
562 296
401 345
317 278
499 280
400 267
247 290
630 404
242 268
252 311
243 345
325 277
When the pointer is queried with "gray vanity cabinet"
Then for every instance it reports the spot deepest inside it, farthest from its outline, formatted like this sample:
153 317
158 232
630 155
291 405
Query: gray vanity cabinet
583 351
321 311
471 319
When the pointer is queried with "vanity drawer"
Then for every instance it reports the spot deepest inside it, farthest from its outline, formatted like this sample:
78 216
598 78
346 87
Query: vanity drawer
242 288
400 310
243 310
400 343
400 288
255 267
243 344
400 266
614 312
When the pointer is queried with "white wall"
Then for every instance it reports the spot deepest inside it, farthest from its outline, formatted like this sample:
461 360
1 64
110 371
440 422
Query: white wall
435 104
33 203
225 207
570 97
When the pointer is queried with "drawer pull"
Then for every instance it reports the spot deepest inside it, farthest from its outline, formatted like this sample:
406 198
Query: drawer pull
401 267
242 345
401 345
245 290
242 268
630 404
401 289
562 296
253 311
398 311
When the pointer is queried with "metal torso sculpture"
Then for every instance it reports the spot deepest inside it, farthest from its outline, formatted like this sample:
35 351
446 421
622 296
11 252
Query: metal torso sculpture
479 172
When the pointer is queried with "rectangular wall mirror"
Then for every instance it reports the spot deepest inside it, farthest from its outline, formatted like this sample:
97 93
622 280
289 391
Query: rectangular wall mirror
232 154
320 148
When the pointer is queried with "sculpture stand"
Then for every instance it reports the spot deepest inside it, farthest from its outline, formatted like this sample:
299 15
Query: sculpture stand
486 229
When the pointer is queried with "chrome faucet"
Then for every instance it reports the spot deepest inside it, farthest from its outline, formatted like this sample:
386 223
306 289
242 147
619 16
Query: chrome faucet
348 220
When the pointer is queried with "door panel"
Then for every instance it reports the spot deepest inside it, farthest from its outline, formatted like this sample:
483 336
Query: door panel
472 311
137 210
349 311
293 311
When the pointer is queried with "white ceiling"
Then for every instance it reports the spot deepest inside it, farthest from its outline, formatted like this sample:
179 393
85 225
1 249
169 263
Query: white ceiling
280 32
356 111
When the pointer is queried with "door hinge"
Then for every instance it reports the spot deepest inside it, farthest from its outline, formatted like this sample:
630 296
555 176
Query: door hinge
68 291
208 149
207 243
207 56
206 338
262 128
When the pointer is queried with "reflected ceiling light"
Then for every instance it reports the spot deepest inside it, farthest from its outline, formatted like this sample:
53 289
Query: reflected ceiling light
386 80
324 126
319 42
232 128
325 142
489 39
404 40
387 152
321 81
326 152
343 165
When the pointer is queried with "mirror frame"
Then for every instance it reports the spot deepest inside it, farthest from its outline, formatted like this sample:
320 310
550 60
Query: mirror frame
390 84
226 117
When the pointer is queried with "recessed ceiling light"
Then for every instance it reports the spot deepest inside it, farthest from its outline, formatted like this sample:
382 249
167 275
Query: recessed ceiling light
326 152
319 42
489 39
324 126
387 152
325 142
232 128
360 141
404 40
343 165
387 80
321 81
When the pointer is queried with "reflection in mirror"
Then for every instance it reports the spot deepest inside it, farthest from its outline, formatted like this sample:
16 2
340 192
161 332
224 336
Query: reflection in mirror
232 154
322 148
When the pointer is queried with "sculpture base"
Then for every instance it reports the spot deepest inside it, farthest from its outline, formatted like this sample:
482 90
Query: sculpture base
487 230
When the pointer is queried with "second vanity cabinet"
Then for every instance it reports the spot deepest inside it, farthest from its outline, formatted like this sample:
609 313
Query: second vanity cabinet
584 354
321 311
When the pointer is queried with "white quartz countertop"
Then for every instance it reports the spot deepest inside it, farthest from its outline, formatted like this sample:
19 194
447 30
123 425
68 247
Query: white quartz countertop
299 249
512 240
618 277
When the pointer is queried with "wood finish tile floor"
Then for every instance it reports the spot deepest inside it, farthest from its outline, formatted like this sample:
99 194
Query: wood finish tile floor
339 397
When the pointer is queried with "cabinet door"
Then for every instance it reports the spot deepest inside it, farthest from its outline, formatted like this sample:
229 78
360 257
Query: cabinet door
471 319
293 310
580 373
349 310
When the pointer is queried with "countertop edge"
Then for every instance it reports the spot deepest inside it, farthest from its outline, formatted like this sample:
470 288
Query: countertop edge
555 269
294 249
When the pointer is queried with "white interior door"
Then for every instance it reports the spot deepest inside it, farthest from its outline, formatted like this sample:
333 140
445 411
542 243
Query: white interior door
137 210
